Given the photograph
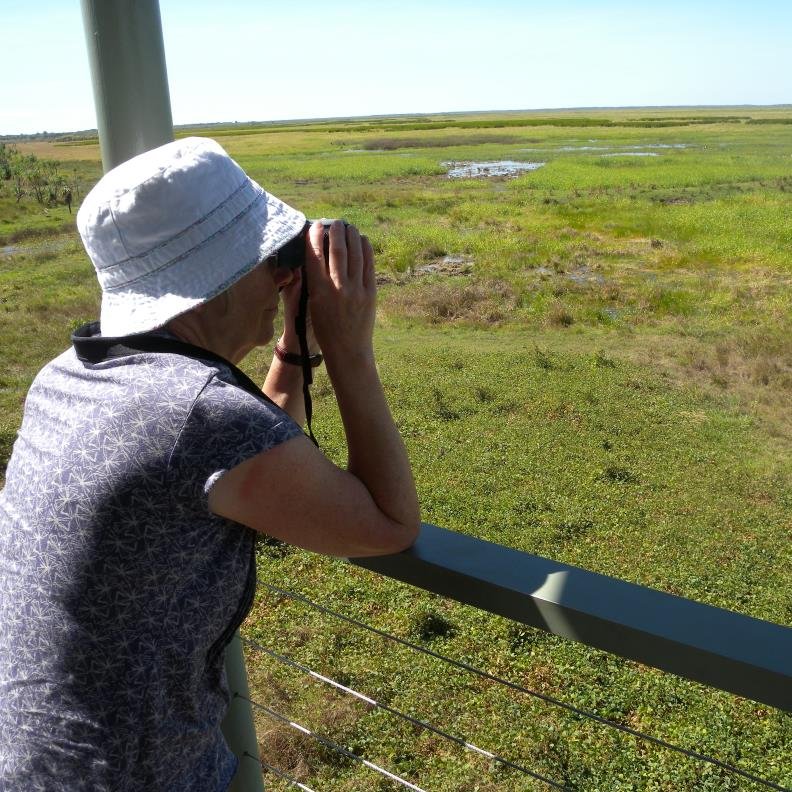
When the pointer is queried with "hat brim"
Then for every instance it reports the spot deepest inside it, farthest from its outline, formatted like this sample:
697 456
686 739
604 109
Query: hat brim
151 302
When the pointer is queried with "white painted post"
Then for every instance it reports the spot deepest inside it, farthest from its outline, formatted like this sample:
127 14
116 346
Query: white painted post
239 729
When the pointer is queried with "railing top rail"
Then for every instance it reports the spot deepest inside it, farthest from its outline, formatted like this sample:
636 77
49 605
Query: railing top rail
721 648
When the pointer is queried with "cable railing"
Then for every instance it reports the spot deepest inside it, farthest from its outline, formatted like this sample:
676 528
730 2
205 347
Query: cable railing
281 658
748 654
550 700
334 746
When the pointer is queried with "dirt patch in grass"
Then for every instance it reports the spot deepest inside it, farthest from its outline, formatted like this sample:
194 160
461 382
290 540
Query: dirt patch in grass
446 265
558 315
482 303
754 372
41 232
291 751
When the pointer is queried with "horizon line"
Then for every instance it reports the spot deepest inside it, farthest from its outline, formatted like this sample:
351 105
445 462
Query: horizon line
380 116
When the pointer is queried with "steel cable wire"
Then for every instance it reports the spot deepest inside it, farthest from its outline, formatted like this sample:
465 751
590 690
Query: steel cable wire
285 776
415 721
334 746
519 688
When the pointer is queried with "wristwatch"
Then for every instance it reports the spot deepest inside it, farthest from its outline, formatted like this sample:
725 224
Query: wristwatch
295 359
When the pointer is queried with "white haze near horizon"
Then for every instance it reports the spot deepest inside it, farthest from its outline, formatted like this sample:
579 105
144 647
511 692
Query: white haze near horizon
246 60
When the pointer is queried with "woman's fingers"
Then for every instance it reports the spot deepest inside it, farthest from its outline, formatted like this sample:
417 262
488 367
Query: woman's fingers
368 277
338 265
315 264
354 254
340 255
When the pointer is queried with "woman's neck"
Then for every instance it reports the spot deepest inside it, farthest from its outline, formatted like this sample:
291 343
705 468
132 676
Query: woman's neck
198 330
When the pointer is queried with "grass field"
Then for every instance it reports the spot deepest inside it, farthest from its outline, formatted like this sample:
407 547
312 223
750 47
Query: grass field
591 361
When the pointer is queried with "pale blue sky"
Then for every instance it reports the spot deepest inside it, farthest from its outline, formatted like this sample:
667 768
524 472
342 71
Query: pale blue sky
242 60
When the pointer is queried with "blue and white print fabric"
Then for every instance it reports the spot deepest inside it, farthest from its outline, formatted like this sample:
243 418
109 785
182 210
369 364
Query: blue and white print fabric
118 587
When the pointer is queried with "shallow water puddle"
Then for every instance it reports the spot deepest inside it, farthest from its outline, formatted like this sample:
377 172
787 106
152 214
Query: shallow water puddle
584 275
477 170
660 146
447 265
37 246
632 154
584 148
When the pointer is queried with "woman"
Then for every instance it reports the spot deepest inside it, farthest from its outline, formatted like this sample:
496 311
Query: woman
145 458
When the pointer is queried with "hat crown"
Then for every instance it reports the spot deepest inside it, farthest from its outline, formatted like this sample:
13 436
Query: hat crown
174 226
153 198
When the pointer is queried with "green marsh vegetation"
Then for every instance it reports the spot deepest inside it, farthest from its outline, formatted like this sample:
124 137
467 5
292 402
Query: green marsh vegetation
591 361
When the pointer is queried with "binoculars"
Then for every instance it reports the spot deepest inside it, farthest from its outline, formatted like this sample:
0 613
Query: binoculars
292 254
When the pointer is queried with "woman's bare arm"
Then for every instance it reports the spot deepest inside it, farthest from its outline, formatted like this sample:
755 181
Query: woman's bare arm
293 492
284 380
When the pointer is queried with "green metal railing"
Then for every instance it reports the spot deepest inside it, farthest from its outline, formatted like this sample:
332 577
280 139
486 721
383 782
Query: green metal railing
717 647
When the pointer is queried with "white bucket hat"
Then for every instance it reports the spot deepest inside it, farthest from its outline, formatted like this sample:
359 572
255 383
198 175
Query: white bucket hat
172 228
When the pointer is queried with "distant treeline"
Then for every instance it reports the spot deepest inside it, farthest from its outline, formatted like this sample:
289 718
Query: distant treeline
50 137
27 176
699 119
409 123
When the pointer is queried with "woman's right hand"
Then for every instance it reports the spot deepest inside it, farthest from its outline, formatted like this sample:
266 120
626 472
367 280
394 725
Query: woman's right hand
342 294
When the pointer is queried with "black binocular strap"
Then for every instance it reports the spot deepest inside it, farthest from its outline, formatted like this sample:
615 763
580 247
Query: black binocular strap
301 326
91 347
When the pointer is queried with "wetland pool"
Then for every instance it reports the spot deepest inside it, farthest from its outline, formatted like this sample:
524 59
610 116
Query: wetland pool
478 170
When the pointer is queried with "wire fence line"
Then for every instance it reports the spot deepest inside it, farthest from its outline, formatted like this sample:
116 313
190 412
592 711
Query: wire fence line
333 746
691 754
267 767
404 716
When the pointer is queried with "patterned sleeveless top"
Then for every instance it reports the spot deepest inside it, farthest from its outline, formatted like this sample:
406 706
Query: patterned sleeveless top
119 590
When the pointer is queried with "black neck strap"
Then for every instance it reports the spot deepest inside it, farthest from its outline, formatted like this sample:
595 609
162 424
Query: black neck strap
91 347
301 325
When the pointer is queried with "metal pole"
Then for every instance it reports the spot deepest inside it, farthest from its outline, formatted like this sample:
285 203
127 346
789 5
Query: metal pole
238 727
130 84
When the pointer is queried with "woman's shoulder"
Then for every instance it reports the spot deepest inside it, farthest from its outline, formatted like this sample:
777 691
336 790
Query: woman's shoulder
227 424
224 400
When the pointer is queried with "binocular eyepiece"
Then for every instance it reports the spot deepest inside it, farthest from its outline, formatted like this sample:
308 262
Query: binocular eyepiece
292 254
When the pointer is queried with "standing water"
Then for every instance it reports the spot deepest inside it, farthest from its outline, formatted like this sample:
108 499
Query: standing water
477 170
